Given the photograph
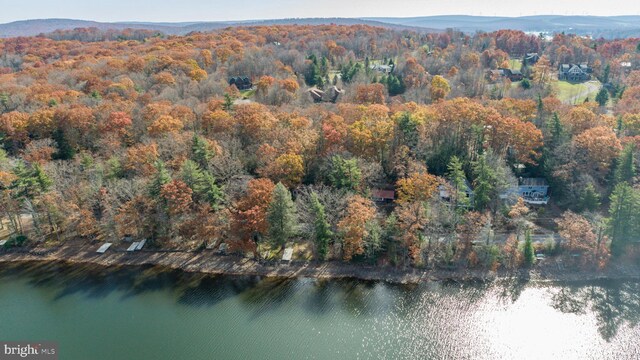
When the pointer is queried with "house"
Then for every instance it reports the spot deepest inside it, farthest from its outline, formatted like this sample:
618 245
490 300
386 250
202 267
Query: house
574 72
242 83
330 95
383 196
530 58
494 75
445 195
513 75
385 69
534 191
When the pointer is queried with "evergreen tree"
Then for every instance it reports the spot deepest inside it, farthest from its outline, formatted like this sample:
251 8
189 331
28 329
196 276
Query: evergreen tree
408 127
344 173
322 229
212 192
201 152
202 183
606 73
484 183
603 97
457 177
624 210
619 125
228 102
65 151
313 74
589 199
160 178
30 182
528 252
557 130
625 165
281 216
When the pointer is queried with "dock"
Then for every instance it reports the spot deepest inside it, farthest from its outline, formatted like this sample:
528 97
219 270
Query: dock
288 254
133 247
102 249
141 244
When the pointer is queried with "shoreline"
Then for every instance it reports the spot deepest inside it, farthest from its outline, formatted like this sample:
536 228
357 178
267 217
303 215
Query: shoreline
208 262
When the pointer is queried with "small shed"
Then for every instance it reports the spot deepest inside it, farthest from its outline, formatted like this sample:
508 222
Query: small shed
288 254
102 249
382 195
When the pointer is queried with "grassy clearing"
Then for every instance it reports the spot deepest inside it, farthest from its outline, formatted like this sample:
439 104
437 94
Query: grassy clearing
570 93
246 94
515 64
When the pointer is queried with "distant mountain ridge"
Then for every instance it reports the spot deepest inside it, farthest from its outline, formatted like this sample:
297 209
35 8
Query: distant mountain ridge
596 26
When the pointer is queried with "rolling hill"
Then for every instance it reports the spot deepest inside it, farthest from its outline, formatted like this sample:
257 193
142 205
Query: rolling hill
596 26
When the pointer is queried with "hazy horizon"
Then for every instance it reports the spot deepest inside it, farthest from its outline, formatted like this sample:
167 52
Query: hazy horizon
198 11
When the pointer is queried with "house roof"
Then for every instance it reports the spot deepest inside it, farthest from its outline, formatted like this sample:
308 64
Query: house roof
533 181
383 194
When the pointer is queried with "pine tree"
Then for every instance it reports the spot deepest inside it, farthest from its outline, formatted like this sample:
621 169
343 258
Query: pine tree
625 165
603 97
624 216
589 199
228 102
322 229
201 151
30 182
160 178
457 177
557 130
484 183
281 216
528 252
202 183
212 192
344 173
65 151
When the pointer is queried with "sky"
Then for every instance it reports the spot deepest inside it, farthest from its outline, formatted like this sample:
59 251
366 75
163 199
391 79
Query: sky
217 10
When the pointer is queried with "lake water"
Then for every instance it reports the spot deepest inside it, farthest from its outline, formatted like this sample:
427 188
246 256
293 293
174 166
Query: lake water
142 313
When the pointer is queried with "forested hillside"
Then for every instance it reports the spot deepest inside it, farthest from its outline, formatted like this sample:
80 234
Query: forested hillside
408 150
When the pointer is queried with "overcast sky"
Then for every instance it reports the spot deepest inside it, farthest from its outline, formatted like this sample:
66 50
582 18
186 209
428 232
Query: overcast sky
212 10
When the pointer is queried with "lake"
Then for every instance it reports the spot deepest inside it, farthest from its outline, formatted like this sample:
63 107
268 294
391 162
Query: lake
145 313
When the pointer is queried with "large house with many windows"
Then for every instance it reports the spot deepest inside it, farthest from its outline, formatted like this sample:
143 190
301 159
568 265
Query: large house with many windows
574 72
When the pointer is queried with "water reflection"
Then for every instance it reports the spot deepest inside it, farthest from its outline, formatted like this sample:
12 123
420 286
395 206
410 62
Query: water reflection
614 303
410 318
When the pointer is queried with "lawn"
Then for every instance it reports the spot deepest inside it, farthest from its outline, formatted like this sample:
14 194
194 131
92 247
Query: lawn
570 93
515 64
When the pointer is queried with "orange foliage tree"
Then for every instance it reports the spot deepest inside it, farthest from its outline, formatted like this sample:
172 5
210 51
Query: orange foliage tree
352 226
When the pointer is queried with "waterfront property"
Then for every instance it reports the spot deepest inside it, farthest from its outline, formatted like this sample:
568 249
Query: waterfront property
534 191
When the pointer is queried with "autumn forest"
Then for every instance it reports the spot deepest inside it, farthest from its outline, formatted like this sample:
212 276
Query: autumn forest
345 143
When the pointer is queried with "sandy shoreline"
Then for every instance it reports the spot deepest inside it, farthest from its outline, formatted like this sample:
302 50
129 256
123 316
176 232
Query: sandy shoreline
208 262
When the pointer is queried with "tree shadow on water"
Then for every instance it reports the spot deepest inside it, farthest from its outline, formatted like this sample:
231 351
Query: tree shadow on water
614 303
